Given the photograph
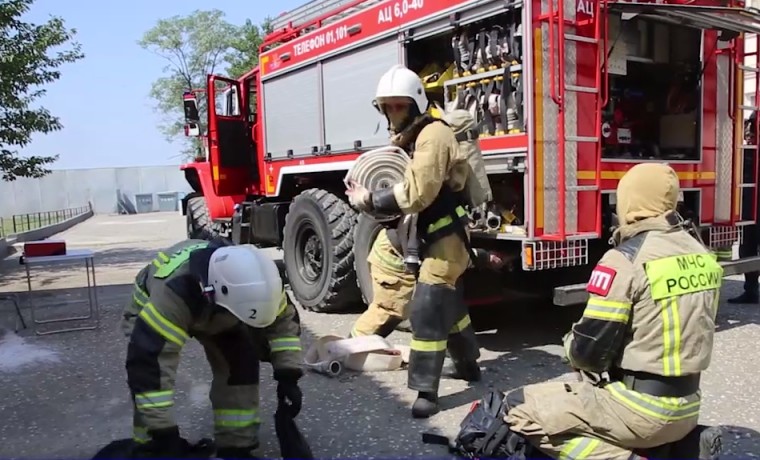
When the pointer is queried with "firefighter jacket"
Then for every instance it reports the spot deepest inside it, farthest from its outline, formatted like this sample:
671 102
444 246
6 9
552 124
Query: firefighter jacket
168 307
433 180
652 305
385 254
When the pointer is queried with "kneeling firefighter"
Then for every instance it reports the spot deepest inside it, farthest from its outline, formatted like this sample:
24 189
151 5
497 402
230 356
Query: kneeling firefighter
231 299
431 188
649 323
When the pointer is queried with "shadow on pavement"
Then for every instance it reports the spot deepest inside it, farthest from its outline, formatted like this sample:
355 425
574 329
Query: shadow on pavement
731 316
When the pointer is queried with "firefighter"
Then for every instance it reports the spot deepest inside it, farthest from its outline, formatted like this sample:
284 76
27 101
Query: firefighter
431 188
392 288
751 239
230 298
649 322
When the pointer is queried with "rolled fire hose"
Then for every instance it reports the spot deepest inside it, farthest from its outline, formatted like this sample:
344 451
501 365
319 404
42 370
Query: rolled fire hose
379 168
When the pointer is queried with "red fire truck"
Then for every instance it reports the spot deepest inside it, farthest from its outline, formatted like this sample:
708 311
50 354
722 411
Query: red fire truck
569 99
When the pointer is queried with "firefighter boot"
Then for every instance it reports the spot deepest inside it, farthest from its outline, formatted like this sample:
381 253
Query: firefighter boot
433 314
229 453
703 443
462 345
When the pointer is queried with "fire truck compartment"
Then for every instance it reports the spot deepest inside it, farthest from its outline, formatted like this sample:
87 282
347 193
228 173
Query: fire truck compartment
655 101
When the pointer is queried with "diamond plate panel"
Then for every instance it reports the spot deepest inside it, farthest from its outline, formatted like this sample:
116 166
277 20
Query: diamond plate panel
571 128
724 138
550 114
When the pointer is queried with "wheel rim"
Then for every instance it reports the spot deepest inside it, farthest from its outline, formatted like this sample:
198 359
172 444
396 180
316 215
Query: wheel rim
309 254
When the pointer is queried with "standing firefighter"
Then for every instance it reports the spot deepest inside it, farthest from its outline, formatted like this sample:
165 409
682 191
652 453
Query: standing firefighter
230 298
649 322
431 188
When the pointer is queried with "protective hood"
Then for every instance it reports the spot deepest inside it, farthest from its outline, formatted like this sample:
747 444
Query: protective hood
647 190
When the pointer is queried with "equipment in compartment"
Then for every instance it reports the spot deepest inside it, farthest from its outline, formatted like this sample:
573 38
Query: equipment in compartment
487 74
654 97
504 214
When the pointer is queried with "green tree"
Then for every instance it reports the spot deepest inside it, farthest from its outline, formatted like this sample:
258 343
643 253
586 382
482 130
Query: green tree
194 46
27 62
245 53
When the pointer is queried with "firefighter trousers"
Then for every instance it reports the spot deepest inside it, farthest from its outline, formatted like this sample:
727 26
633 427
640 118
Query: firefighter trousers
234 392
392 289
578 420
439 316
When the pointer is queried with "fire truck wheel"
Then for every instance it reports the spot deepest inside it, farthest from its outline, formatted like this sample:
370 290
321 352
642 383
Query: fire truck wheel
198 222
319 257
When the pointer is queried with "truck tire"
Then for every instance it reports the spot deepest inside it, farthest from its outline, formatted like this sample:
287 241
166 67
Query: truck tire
197 218
319 259
365 232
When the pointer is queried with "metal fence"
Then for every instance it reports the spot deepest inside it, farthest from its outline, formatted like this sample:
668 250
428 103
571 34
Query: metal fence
25 222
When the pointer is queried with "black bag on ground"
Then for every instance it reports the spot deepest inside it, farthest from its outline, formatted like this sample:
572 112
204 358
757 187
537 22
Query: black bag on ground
483 432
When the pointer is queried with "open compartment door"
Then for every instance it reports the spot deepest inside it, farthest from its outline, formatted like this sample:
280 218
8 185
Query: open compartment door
229 137
721 18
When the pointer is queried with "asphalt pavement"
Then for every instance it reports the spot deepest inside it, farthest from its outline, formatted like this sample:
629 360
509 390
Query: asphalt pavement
65 395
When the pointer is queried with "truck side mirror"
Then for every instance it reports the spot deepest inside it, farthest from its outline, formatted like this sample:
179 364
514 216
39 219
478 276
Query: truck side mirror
191 108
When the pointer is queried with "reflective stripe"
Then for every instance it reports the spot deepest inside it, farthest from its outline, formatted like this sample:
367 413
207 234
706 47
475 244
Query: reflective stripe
461 324
671 337
663 408
163 326
164 258
428 345
178 258
236 417
154 399
578 448
285 344
140 297
685 274
283 304
446 220
140 435
388 260
607 310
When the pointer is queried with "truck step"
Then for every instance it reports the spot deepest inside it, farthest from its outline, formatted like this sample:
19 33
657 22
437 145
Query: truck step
581 139
578 38
747 68
581 89
749 107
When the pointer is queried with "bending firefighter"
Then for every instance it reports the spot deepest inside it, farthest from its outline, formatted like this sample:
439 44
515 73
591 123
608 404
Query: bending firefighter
649 322
431 188
231 299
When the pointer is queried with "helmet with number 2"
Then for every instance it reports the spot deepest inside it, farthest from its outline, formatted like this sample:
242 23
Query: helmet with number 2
247 283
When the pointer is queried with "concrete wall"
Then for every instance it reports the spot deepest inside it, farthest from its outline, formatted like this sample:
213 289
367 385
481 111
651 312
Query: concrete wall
71 188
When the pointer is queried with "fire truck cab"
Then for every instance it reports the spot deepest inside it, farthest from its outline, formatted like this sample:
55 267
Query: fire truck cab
568 99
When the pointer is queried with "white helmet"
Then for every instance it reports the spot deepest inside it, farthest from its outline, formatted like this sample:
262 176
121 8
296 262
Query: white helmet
399 81
247 283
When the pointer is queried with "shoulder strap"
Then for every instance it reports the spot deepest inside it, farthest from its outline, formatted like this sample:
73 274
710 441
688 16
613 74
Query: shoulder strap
630 248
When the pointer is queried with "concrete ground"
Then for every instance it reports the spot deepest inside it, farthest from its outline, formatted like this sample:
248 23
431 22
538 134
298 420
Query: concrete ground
65 395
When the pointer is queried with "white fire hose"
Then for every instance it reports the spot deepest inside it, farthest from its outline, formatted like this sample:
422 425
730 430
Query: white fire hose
379 168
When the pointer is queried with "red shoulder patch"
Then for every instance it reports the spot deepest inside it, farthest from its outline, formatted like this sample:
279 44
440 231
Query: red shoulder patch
601 280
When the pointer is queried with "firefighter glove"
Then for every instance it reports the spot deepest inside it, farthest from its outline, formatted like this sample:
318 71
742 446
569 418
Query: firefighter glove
289 396
359 197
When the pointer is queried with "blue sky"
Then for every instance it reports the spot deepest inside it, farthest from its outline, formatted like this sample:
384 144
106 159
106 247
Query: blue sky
102 100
